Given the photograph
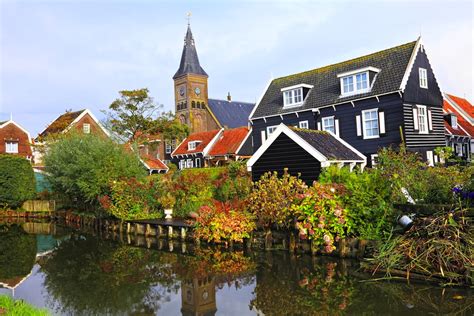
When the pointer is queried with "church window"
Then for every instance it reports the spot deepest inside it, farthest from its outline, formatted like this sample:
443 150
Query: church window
193 104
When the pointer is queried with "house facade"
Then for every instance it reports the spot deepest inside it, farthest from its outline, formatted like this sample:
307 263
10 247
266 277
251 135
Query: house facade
15 140
213 148
459 126
374 101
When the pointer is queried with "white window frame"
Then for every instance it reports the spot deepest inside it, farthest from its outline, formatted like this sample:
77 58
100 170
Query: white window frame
86 128
168 148
373 159
271 129
11 147
422 120
182 164
290 97
303 124
364 124
423 76
353 85
192 145
189 163
454 121
325 126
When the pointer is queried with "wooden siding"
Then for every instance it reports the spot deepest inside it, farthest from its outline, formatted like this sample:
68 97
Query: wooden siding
289 119
414 93
433 139
391 105
285 153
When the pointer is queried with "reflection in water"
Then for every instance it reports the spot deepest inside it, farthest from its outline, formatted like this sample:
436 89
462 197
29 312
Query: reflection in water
91 276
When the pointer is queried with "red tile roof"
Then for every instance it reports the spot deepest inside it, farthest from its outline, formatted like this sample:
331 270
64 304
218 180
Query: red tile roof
154 163
462 122
204 138
453 131
229 142
463 103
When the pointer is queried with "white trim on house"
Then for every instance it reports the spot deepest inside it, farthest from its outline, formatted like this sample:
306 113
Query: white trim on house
17 125
283 129
410 64
301 85
249 133
272 128
364 136
458 109
356 71
212 142
77 119
260 98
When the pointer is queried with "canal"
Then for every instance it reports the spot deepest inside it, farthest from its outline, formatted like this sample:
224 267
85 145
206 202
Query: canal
70 272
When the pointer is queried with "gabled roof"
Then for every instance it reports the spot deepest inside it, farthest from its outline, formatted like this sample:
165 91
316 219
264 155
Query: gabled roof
154 163
65 121
5 123
324 146
189 59
231 114
229 142
394 63
463 110
206 141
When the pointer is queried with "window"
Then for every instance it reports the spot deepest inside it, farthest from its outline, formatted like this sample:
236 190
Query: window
198 162
168 148
422 119
86 128
11 147
328 124
423 78
357 83
454 121
182 164
192 145
189 163
293 97
303 124
370 123
271 129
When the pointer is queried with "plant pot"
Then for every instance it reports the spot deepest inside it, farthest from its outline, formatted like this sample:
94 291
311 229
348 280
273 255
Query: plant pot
168 213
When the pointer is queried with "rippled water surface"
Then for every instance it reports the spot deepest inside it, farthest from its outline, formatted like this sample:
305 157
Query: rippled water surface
75 273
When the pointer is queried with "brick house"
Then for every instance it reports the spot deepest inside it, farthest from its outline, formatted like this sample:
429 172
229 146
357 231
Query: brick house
15 140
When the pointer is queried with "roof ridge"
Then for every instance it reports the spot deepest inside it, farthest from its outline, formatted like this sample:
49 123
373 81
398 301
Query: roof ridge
344 61
236 101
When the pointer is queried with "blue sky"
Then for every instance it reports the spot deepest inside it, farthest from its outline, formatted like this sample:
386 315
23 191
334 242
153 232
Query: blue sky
58 55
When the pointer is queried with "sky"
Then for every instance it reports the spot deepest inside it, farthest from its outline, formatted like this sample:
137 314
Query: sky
59 55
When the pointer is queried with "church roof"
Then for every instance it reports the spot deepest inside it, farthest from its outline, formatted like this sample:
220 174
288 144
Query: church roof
189 59
231 114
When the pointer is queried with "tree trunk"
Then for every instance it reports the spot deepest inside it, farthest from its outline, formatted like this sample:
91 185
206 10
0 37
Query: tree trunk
268 239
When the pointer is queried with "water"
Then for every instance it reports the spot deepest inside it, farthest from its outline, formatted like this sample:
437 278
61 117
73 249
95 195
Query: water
75 273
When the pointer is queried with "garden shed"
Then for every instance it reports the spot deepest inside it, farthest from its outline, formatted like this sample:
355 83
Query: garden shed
304 152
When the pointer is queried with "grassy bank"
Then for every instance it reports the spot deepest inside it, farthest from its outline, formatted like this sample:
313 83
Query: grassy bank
9 306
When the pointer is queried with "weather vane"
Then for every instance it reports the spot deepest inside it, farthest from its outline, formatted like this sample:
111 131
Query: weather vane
188 17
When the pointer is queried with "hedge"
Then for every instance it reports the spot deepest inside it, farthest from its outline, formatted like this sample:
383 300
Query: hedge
17 181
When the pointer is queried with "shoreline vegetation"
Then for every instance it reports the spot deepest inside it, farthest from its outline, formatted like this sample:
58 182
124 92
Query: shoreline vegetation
225 207
12 307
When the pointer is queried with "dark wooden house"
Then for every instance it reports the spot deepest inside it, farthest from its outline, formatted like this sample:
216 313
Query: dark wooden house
303 152
371 102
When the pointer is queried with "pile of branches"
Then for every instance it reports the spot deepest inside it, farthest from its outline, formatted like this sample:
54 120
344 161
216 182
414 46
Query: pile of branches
439 247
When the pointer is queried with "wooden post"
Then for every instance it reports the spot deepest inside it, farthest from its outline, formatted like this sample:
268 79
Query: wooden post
148 230
128 228
183 233
171 245
170 232
148 242
160 244
292 245
183 247
160 231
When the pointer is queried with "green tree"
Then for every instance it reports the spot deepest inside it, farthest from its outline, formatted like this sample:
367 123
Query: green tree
17 181
136 114
82 166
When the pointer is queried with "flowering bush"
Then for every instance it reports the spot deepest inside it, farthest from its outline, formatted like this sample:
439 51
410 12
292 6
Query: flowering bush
224 221
320 215
271 199
133 199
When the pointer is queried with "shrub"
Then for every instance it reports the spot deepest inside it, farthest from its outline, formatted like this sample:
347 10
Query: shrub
233 183
271 199
17 181
9 306
132 199
320 215
366 199
82 166
224 221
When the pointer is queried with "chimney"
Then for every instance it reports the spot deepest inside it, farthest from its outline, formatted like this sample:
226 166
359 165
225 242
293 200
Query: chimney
229 98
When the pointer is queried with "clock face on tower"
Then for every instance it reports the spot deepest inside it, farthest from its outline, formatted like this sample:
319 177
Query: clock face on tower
197 90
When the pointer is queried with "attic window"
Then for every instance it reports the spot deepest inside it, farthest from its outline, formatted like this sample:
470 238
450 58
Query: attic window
357 81
454 121
423 78
86 128
192 145
11 147
294 95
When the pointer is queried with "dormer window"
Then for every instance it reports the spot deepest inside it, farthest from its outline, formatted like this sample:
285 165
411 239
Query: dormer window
294 95
192 145
454 121
357 81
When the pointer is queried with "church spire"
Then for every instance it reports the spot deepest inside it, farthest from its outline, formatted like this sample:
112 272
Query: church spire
189 59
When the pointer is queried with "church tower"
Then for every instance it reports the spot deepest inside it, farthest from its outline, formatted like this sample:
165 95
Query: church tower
190 90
